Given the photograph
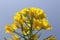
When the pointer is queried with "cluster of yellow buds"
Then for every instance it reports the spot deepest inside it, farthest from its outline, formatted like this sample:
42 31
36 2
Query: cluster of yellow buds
28 20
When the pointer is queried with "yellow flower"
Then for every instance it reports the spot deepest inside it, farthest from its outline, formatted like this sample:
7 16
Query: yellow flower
36 24
15 37
18 19
9 29
40 14
15 26
24 18
37 11
32 11
45 24
51 38
24 11
29 25
25 30
18 14
34 37
48 27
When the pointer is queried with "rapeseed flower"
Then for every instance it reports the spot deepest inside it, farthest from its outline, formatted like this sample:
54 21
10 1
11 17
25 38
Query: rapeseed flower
25 11
40 14
18 19
45 24
31 21
15 26
32 11
15 37
25 30
36 24
9 29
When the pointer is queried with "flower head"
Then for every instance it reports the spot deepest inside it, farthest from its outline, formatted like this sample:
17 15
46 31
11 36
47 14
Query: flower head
32 11
15 37
15 25
9 29
25 11
31 20
26 30
18 19
36 24
40 14
45 24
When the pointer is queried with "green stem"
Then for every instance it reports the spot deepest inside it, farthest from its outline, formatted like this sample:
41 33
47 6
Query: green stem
20 35
31 21
39 34
37 31
26 23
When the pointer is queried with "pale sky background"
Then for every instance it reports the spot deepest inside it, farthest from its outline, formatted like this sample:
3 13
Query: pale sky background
8 8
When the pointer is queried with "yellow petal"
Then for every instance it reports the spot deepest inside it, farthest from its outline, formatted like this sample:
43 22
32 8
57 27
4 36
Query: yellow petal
24 11
26 30
15 26
15 37
18 14
9 29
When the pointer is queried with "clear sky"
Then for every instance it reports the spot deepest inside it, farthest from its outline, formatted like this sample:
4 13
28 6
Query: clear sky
8 8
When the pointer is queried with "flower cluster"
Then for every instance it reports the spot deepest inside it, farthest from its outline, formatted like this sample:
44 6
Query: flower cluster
29 20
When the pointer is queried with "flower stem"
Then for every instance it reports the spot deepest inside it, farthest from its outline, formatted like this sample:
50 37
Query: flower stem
20 35
31 22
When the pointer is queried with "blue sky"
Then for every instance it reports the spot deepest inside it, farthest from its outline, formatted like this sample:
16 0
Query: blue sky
8 8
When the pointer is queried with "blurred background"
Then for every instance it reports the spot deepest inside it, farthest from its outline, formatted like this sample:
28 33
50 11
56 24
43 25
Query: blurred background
8 8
